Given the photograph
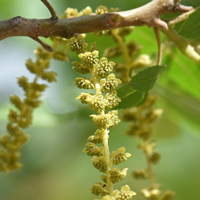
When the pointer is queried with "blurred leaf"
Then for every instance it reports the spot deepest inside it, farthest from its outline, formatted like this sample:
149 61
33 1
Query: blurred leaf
191 27
145 79
180 108
144 36
182 73
129 97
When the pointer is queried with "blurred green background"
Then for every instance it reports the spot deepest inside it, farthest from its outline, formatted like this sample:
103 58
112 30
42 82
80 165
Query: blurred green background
54 167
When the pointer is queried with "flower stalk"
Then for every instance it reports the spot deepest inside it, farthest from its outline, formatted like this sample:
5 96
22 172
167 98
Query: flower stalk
104 82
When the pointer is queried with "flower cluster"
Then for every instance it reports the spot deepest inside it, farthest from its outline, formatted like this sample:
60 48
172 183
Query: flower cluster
70 12
20 117
141 120
124 194
105 98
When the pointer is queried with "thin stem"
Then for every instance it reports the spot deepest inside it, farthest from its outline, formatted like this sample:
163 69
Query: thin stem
109 163
157 34
149 165
32 92
183 44
50 8
123 47
180 18
44 45
125 51
146 151
95 80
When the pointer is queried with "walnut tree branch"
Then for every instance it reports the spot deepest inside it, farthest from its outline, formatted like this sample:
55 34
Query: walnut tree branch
149 15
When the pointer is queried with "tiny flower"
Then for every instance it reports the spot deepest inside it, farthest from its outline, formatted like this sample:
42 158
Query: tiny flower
99 189
147 147
116 175
70 12
113 100
92 150
155 157
119 156
89 59
124 194
79 68
13 116
87 11
41 53
97 103
141 174
97 137
107 197
107 120
77 45
60 54
130 114
142 61
114 119
151 193
101 10
103 178
168 195
84 97
111 83
100 163
102 121
104 67
156 114
84 83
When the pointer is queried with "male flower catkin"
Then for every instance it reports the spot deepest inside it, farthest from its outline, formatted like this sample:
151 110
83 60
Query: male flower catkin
21 116
105 98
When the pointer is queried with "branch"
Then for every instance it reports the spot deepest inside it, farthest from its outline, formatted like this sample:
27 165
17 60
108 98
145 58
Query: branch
183 45
148 14
157 34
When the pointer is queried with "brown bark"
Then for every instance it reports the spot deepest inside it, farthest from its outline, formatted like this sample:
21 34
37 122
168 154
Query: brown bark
148 14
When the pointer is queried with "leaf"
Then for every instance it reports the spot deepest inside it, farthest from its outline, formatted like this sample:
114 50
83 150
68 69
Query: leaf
145 79
180 108
191 27
129 97
181 74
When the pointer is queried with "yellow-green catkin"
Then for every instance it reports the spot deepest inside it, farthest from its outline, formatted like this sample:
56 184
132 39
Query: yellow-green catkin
142 118
102 102
141 121
20 117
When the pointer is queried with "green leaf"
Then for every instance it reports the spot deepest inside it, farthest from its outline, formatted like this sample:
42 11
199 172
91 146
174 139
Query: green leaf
191 27
129 97
181 74
145 79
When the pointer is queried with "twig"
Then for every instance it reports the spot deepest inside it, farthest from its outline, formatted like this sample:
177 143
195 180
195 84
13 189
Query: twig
52 11
45 46
157 34
180 18
148 14
183 44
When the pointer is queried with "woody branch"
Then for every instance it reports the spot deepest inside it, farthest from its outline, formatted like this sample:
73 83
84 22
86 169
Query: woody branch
149 15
